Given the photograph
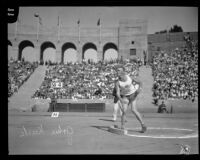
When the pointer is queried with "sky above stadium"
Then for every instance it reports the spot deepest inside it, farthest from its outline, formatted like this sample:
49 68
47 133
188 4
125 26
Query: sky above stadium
159 18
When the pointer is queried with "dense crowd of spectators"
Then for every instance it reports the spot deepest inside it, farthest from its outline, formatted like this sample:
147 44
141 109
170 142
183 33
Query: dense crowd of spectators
18 73
85 80
176 73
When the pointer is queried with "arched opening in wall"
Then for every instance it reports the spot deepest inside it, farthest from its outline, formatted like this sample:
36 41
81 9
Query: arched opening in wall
47 52
9 43
10 54
69 53
90 52
110 52
29 52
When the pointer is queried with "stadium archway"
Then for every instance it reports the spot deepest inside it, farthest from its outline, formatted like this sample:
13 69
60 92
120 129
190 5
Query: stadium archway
47 52
27 48
69 53
9 43
10 51
89 52
110 51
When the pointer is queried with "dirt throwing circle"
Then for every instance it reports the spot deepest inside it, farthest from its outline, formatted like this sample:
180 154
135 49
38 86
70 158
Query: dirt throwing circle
156 132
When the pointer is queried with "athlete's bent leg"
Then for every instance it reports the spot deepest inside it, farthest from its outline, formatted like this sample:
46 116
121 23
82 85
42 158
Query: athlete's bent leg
115 109
120 112
137 114
115 113
123 107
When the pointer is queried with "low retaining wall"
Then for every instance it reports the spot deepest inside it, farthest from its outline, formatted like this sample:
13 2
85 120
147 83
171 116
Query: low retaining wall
37 105
77 107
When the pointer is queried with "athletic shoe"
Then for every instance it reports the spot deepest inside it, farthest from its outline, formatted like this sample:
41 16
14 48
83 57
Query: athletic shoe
114 120
144 128
122 127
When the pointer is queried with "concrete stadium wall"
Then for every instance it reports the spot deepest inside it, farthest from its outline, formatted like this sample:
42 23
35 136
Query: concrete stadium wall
131 34
167 41
179 105
128 31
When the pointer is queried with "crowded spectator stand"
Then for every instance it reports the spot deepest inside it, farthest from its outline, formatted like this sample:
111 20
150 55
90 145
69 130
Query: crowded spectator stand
176 74
18 73
84 80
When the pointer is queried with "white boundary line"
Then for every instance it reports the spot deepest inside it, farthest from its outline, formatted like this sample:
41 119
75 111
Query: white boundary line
183 129
193 135
162 136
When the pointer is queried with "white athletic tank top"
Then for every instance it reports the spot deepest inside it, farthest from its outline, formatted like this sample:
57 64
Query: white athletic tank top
127 88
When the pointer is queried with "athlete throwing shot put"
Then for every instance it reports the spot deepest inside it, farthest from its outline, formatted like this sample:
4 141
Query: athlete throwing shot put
127 91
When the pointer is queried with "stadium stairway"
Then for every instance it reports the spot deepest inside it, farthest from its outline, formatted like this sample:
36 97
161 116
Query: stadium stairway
22 99
145 98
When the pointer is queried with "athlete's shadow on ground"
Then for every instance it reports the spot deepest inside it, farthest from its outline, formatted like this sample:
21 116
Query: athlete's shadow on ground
106 128
110 120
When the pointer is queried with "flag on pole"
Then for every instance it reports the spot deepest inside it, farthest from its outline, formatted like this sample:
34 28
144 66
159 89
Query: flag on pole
78 22
58 21
58 28
40 20
16 26
98 23
36 15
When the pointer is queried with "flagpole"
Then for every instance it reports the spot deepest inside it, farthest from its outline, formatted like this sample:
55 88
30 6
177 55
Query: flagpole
118 39
79 32
99 31
58 28
16 25
38 28
16 29
78 50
